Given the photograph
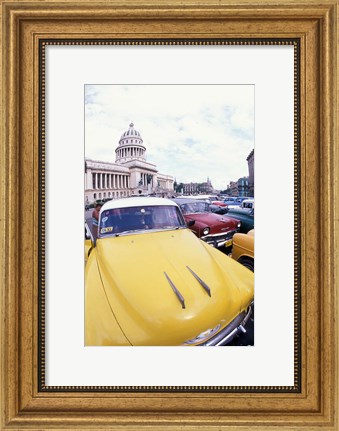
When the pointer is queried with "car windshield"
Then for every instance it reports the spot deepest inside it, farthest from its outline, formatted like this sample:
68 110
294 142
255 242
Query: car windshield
133 219
194 207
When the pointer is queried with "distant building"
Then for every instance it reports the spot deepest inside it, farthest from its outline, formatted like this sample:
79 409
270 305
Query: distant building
130 175
233 188
198 188
243 189
250 161
239 187
243 186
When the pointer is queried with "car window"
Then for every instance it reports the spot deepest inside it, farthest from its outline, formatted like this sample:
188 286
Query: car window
247 204
120 220
194 207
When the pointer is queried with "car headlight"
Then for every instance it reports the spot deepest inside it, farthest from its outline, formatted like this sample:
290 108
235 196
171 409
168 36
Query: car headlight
206 231
203 336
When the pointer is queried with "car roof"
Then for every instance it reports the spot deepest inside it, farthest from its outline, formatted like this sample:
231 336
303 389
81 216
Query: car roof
136 202
205 197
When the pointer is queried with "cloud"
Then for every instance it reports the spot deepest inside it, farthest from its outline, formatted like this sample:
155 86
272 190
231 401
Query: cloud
190 131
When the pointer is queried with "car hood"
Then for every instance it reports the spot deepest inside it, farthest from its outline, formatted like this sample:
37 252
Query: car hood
215 221
152 290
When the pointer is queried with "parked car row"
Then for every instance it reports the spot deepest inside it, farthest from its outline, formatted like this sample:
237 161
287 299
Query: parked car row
150 280
244 213
238 224
217 230
243 249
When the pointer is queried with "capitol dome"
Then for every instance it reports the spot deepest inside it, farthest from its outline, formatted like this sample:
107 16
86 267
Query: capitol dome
131 136
130 146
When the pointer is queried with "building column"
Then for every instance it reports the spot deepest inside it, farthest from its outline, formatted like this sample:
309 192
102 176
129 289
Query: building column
89 182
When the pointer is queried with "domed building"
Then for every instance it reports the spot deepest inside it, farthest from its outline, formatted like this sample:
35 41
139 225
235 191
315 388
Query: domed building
130 146
130 175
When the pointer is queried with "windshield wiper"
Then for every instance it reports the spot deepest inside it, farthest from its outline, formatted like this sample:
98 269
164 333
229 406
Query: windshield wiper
127 231
170 227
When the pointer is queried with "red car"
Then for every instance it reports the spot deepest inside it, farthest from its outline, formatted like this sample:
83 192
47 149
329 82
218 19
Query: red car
219 203
216 230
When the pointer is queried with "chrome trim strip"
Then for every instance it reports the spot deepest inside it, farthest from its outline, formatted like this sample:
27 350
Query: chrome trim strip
203 284
176 291
216 235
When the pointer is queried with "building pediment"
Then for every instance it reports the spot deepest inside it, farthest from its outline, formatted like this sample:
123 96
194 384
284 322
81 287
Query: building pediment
96 165
141 165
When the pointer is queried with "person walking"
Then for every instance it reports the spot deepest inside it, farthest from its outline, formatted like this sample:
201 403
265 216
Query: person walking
95 216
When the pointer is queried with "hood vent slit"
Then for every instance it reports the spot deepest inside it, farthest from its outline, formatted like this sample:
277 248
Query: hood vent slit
176 291
203 284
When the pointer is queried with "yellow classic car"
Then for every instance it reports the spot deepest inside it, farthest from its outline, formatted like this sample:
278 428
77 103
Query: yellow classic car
243 249
149 281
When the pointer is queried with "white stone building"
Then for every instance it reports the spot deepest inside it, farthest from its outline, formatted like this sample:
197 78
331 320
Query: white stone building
130 175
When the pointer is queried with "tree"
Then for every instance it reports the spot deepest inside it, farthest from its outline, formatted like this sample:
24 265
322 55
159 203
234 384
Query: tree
178 187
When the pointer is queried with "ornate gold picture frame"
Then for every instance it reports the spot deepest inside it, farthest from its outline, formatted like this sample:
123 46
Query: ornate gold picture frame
25 402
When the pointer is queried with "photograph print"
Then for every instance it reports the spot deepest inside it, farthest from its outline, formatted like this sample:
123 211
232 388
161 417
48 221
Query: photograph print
169 215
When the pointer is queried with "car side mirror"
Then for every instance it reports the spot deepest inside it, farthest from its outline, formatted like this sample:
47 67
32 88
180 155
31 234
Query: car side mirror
87 235
191 223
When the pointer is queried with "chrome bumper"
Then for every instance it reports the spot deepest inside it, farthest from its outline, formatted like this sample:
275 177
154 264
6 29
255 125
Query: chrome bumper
218 240
226 335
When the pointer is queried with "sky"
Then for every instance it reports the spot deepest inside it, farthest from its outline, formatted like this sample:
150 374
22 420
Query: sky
192 132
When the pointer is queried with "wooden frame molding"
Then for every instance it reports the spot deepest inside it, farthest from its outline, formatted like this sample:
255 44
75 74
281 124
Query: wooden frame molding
24 25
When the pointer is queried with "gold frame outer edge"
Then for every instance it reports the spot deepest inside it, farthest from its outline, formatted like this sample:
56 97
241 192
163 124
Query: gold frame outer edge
22 403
